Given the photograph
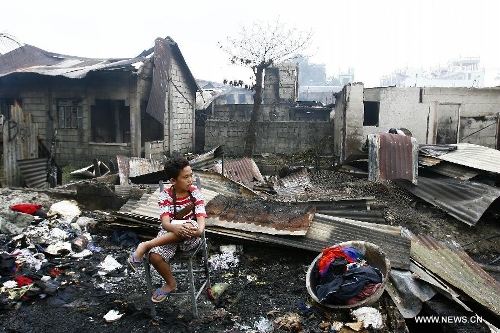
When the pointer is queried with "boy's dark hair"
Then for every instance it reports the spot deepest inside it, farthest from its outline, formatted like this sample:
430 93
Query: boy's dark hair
174 166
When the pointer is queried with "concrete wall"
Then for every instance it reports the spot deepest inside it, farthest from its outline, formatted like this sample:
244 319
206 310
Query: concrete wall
280 84
274 112
399 107
180 120
417 110
139 97
279 137
348 122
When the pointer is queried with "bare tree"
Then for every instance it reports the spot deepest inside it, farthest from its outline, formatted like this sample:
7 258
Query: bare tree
8 43
261 46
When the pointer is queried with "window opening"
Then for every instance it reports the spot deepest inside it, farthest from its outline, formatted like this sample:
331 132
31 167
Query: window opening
371 113
70 113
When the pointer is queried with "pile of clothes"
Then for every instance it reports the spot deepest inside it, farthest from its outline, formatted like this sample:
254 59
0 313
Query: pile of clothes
342 276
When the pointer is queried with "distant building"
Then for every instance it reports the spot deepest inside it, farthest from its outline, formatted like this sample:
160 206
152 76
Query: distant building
460 72
323 94
346 77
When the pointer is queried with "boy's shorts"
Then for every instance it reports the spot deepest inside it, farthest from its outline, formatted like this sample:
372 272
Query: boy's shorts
168 251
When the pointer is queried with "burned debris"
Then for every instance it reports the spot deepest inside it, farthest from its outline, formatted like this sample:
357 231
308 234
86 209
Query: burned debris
258 213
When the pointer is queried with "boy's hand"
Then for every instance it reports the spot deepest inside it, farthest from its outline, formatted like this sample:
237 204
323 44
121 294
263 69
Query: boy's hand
186 230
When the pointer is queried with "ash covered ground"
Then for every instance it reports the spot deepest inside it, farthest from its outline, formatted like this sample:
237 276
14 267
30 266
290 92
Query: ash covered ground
266 287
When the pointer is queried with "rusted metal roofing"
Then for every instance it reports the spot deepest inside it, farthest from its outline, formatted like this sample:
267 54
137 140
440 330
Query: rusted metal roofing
473 156
244 171
358 209
31 59
392 156
453 265
323 231
465 200
258 215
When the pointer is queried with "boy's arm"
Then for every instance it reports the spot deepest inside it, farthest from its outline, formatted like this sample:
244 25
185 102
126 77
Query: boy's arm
201 226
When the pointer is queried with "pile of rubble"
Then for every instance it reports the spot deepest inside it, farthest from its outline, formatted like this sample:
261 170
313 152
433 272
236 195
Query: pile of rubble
61 254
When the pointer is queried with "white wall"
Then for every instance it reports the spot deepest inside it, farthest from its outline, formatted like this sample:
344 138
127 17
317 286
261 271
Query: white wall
415 109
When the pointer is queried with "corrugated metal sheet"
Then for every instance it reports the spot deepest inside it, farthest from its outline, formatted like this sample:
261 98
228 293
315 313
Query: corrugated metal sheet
292 186
465 200
392 156
259 215
129 167
435 150
219 184
473 156
244 171
141 166
31 59
358 209
454 170
33 171
326 231
149 178
453 265
212 184
408 292
207 160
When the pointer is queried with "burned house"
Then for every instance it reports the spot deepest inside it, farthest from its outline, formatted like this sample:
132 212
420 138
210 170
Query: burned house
101 108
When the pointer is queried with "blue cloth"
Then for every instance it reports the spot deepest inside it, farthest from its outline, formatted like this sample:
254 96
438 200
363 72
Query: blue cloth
352 253
343 287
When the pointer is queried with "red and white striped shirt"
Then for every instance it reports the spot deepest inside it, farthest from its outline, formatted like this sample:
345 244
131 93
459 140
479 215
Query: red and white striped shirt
166 203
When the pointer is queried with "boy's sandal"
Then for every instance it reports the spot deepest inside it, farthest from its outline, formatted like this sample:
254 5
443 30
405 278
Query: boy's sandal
160 296
133 262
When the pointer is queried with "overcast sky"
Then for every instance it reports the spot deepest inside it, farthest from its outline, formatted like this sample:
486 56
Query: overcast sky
375 37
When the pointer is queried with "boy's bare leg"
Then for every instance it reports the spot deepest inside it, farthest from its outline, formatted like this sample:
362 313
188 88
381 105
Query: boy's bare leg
163 268
144 247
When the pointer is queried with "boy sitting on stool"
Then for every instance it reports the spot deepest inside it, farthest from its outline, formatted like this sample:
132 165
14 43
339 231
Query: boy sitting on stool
182 216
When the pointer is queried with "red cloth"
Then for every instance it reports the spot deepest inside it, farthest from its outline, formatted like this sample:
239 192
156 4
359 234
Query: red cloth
368 290
26 208
22 281
329 255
